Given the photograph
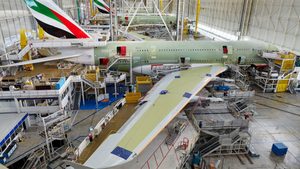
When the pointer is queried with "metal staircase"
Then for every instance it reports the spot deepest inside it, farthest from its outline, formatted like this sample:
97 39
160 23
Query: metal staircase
95 85
175 132
209 146
240 76
35 160
114 60
77 97
239 106
235 142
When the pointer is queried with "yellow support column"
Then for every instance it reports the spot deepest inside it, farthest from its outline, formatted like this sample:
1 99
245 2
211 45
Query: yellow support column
185 26
41 32
197 16
161 4
23 44
92 8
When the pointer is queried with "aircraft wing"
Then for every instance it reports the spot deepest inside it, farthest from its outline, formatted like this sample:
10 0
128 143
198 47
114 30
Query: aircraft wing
152 117
41 60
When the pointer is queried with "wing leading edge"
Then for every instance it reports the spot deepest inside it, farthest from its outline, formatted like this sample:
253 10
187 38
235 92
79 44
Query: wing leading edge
41 60
153 116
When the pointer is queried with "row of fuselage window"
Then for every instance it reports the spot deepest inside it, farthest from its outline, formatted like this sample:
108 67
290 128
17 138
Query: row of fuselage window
193 50
251 60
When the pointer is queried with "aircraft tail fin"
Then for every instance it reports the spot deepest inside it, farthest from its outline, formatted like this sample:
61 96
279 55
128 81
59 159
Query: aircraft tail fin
102 6
54 20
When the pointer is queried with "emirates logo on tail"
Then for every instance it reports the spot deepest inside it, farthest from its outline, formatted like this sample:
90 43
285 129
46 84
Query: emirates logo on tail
54 20
102 6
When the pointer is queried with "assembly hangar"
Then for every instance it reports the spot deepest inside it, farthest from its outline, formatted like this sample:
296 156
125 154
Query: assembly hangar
150 84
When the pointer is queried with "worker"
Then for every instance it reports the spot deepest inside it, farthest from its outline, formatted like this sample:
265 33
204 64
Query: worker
200 124
225 93
248 115
90 137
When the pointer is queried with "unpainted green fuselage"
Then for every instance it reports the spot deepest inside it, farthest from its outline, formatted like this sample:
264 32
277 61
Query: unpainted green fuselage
197 52
146 20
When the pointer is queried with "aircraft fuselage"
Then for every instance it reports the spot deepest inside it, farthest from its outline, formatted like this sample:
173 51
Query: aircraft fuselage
193 52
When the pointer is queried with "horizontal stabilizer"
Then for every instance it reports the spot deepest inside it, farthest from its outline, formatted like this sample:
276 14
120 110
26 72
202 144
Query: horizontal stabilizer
40 60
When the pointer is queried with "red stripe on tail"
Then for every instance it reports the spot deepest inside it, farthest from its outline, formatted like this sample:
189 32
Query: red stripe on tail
72 27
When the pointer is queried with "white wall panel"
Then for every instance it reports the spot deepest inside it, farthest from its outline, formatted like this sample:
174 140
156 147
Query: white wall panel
223 15
273 21
13 16
276 22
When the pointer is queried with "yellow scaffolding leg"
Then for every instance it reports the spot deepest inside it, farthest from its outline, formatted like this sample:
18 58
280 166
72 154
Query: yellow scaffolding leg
197 16
23 44
282 85
133 97
142 80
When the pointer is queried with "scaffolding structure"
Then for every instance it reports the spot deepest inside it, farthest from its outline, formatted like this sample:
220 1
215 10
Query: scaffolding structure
280 75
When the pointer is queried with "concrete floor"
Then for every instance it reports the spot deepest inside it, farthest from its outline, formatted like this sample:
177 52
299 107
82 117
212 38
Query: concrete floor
277 120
